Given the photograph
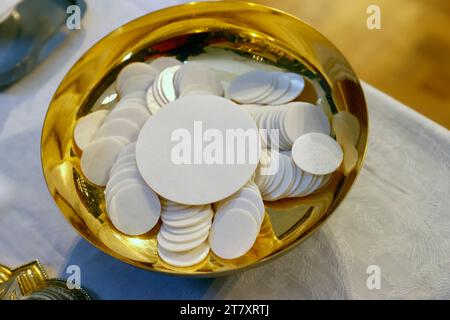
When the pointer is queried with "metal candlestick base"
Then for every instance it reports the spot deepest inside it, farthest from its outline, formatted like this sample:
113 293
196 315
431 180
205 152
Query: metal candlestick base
30 282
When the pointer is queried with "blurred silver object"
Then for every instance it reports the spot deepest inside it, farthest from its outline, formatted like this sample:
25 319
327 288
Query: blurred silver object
29 31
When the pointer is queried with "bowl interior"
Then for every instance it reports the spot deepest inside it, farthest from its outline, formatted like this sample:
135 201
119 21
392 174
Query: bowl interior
232 38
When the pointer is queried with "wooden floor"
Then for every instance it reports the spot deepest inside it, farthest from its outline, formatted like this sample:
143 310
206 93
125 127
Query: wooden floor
408 58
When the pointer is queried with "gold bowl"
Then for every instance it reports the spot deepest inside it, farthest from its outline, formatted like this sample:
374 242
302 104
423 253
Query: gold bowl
260 34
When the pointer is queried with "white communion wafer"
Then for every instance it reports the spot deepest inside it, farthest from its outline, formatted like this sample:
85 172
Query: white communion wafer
205 224
191 178
134 103
265 122
130 164
297 179
126 158
241 203
275 181
303 117
122 162
325 180
188 222
123 157
211 89
162 63
129 159
307 187
310 186
181 214
159 87
132 117
134 114
253 109
114 183
277 176
233 233
180 246
271 119
266 117
186 258
297 84
157 95
346 127
284 140
118 172
267 169
136 97
282 85
132 69
129 173
261 179
317 153
129 149
87 127
288 179
118 127
129 102
135 209
266 93
152 105
305 182
136 83
195 76
123 140
193 91
284 171
250 86
249 186
255 197
111 190
187 237
166 82
318 179
98 158
317 182
171 206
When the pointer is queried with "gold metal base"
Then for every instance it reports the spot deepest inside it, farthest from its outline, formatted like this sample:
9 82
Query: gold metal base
19 282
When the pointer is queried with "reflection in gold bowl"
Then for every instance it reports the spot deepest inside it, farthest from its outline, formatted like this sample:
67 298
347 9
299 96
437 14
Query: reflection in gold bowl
256 33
